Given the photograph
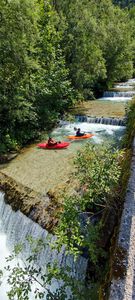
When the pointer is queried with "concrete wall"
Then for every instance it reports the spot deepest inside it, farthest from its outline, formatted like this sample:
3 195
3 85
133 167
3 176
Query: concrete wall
124 288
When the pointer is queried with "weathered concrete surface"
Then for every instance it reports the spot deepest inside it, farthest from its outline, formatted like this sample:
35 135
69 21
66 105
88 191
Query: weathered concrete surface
40 208
124 288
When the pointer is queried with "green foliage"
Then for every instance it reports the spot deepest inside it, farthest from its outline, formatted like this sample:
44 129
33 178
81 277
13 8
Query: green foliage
34 85
17 33
98 170
97 43
118 47
53 89
132 26
26 277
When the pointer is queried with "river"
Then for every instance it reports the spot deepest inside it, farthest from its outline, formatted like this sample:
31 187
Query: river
15 226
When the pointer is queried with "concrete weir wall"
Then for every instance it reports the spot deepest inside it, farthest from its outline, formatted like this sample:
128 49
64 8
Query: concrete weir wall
124 288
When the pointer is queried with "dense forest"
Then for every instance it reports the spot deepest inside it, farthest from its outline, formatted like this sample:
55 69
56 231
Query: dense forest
54 53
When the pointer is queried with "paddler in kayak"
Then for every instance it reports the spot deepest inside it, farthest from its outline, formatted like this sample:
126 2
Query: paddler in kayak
52 142
79 133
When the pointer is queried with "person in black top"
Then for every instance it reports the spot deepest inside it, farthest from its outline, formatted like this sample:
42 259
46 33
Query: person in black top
79 133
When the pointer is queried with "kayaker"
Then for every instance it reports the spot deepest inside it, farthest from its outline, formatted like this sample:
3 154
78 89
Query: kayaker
51 142
79 133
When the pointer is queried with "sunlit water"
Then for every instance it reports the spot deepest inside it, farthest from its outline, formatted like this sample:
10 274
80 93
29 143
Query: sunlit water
14 228
116 99
120 96
101 133
130 84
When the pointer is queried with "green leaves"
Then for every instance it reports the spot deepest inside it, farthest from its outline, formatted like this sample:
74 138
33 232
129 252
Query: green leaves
26 279
34 84
98 171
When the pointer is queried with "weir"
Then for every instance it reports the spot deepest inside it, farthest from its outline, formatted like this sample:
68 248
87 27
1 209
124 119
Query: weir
118 94
101 120
128 84
16 226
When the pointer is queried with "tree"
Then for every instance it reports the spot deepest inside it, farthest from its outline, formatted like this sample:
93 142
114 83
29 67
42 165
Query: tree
54 92
98 170
34 85
118 47
18 35
96 48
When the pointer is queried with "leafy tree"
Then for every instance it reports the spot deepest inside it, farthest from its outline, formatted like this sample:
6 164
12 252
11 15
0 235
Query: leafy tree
96 43
118 47
81 45
34 85
18 34
132 30
98 170
54 92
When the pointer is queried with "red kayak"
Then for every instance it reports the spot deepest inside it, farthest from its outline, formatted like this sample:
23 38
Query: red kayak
57 146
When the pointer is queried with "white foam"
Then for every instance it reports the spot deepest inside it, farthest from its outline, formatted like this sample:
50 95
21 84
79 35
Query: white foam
115 99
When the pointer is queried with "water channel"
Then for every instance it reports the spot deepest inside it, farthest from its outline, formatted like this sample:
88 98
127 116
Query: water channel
14 226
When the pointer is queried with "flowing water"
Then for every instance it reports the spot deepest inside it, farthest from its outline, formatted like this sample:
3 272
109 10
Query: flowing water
120 96
130 84
116 98
14 228
36 168
101 133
